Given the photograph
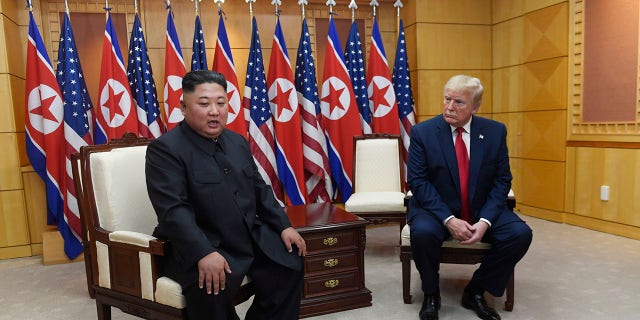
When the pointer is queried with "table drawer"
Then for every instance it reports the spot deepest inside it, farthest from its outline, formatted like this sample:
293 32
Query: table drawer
332 241
332 283
331 262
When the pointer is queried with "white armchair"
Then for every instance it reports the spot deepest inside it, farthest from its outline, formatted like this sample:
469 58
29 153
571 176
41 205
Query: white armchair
378 179
118 218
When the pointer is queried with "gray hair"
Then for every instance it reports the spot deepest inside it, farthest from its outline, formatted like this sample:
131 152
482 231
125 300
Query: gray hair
466 83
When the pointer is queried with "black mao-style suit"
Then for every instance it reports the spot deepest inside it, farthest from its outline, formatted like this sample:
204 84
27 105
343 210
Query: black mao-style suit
433 180
209 197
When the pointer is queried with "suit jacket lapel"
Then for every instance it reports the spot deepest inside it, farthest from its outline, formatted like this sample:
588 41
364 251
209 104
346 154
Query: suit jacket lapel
477 153
445 139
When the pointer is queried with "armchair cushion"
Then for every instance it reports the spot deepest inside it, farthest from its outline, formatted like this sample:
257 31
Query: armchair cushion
375 202
405 240
169 292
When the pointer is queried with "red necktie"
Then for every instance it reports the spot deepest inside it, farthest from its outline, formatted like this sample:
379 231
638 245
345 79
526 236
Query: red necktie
463 170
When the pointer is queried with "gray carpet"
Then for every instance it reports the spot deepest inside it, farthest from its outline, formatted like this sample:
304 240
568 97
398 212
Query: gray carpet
569 273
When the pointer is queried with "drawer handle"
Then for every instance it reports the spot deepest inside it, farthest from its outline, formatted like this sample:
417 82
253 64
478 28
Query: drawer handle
330 241
332 283
331 262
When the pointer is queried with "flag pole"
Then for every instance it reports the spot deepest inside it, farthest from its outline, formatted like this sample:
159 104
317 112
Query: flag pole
29 5
250 2
106 9
220 12
374 4
197 8
353 6
66 7
331 3
398 4
277 3
302 3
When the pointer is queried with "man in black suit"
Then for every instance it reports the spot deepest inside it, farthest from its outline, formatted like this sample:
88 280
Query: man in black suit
222 220
440 208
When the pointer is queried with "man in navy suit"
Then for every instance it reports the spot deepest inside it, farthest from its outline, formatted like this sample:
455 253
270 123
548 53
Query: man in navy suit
222 220
437 211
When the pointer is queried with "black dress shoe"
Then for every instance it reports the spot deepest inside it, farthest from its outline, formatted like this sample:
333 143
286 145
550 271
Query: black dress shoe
477 303
430 306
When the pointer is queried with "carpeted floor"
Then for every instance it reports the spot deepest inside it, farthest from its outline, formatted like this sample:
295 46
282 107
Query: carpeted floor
568 273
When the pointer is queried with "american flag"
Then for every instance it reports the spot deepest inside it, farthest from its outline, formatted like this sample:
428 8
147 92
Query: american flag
283 100
45 144
77 131
382 97
340 114
199 55
314 143
355 64
117 113
143 87
174 70
261 138
223 63
402 85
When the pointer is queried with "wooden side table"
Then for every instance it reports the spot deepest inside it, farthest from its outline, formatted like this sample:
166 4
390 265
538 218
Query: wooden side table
334 265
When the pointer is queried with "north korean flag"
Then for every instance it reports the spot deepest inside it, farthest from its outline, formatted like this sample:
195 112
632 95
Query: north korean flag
116 112
283 100
382 96
341 118
223 63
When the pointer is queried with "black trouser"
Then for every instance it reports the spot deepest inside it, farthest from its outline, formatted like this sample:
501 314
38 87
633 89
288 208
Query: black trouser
278 294
509 242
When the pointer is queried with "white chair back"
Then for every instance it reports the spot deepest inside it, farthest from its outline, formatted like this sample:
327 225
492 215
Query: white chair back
377 165
120 190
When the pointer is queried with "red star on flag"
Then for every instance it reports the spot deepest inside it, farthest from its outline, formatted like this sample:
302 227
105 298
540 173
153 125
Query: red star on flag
378 97
116 98
282 98
334 95
45 109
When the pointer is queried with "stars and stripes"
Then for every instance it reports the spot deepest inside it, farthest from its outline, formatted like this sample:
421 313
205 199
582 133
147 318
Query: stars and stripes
143 87
174 71
355 65
77 129
382 96
44 128
283 100
402 86
314 143
340 114
223 63
261 136
116 114
199 55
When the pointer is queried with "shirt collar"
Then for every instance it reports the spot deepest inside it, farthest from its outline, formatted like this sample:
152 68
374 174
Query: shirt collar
467 126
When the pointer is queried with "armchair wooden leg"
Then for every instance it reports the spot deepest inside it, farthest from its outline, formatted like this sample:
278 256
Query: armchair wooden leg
406 276
104 310
508 305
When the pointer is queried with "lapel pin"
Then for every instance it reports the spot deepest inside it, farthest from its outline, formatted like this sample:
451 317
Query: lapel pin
481 137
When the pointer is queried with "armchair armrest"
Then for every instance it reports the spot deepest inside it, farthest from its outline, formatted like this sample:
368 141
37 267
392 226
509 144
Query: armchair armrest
131 237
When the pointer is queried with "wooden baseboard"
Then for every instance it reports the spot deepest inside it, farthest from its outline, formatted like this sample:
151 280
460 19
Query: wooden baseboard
15 252
541 213
53 249
611 227
619 229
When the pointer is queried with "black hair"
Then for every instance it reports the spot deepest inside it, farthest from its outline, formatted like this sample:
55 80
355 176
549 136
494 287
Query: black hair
194 78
